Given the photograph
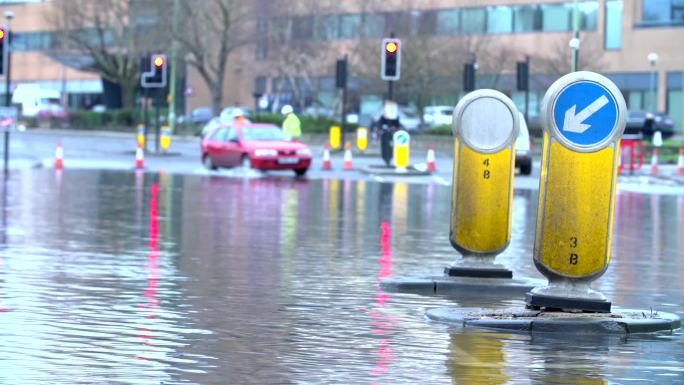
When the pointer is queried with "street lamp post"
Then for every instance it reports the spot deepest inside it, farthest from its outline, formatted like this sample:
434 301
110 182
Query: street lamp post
9 15
653 60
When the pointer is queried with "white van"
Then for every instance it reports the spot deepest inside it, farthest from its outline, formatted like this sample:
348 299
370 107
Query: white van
34 99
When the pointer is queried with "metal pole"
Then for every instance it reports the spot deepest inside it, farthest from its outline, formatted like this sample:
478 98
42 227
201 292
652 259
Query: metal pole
576 25
527 88
145 119
156 129
8 97
172 81
389 89
344 101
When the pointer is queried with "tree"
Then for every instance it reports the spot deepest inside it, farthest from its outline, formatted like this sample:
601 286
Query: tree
210 31
103 35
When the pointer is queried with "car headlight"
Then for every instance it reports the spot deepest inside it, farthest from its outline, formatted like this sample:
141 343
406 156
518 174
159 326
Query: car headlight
304 151
265 152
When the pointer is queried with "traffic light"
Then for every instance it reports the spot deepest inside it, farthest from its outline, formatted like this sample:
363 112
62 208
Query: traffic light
391 59
341 73
469 77
4 45
156 76
522 75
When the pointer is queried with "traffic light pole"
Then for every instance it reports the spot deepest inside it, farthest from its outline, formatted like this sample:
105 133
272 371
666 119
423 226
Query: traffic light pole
156 129
527 89
8 99
145 120
390 88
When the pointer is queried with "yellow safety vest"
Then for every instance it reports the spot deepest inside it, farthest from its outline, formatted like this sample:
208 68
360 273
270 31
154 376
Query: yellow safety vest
292 127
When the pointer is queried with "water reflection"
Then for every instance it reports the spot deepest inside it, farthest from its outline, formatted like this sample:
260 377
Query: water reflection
110 277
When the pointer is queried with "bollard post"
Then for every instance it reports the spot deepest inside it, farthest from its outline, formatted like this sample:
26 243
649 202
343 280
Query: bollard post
165 138
485 127
402 150
362 139
141 135
583 118
335 137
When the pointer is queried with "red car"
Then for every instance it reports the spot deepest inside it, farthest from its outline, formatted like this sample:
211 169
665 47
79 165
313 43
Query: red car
255 145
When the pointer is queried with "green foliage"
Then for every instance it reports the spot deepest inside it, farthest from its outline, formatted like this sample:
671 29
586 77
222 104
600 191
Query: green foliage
119 120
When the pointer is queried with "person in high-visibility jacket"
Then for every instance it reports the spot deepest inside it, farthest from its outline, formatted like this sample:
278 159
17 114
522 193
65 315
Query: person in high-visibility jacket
292 127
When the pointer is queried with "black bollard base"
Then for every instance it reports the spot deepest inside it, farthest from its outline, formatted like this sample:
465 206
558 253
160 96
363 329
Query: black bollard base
550 303
478 272
461 286
619 321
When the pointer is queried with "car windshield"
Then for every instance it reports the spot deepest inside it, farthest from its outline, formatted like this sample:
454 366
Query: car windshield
263 133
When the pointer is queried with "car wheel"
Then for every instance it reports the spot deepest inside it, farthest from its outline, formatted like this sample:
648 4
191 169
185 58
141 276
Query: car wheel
246 162
300 171
208 163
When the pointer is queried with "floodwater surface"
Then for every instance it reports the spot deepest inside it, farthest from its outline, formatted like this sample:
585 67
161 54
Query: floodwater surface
123 278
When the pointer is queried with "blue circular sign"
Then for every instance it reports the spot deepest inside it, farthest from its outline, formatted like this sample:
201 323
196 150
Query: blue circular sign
585 113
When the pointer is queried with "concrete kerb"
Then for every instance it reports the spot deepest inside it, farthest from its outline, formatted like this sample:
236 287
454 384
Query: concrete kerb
619 321
453 286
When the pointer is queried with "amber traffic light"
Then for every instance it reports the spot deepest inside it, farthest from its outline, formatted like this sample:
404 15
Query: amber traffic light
391 59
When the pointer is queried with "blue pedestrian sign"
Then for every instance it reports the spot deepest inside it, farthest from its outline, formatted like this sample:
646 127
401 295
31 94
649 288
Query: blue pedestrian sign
586 111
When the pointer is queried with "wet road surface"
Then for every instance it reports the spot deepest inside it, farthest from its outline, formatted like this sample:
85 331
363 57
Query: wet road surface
121 278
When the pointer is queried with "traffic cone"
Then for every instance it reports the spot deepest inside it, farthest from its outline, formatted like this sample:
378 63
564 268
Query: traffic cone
680 162
431 165
348 157
327 165
139 159
59 157
654 161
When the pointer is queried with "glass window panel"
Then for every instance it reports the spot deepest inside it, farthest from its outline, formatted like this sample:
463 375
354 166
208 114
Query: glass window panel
526 18
350 26
280 29
635 100
657 10
448 22
614 24
589 15
556 17
675 103
373 25
499 20
327 27
302 27
474 20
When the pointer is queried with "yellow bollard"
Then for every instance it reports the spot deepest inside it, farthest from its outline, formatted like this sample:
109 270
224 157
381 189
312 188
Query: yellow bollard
165 140
335 137
362 138
141 135
584 116
402 143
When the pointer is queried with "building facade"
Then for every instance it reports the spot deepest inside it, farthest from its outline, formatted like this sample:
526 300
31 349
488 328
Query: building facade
636 43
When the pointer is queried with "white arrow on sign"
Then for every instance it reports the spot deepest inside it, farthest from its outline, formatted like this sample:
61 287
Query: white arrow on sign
573 123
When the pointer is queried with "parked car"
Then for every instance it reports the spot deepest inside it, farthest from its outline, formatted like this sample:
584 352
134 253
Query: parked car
523 153
228 114
438 115
647 123
254 145
200 115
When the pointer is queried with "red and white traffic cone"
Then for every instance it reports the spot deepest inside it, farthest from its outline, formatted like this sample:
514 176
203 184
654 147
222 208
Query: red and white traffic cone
348 157
59 157
139 159
327 164
680 162
431 165
654 161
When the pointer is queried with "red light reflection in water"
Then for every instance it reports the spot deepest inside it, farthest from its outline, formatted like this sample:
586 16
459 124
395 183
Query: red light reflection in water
383 323
152 268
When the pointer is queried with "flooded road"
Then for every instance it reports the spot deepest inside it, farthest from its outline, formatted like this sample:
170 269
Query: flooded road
122 278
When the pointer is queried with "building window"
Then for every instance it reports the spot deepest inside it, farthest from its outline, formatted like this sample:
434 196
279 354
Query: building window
499 20
588 15
280 29
614 24
663 12
327 27
302 28
32 41
556 18
373 25
350 26
423 23
674 108
526 18
473 20
448 22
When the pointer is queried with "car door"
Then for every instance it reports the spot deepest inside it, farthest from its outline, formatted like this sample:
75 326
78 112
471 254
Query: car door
216 147
232 148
